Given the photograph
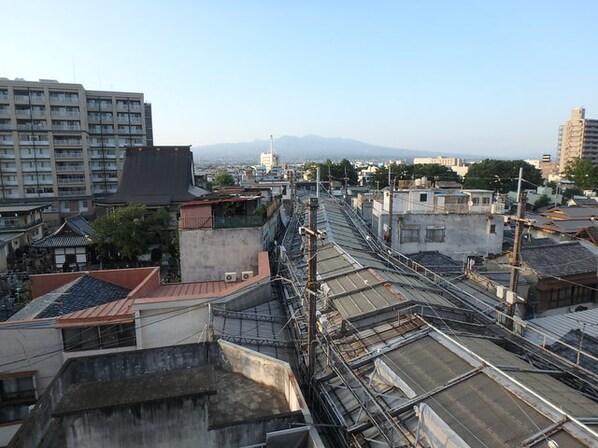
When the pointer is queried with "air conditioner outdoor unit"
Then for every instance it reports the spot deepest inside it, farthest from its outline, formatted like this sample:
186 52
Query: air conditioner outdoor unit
230 277
246 275
500 292
513 298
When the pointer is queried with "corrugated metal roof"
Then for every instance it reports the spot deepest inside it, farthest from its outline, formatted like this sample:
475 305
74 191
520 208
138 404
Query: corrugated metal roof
188 289
365 302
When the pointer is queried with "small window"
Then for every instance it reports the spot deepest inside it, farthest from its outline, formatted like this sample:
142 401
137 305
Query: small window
493 228
435 235
22 388
410 235
475 201
423 197
485 201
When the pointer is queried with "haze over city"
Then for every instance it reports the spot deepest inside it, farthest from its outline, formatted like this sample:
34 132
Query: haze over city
480 78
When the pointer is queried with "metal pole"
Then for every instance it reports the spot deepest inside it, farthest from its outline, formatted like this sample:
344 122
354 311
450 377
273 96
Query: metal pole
318 181
312 286
583 330
391 189
516 254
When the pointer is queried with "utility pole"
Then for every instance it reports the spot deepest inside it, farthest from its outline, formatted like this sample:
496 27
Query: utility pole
516 254
391 189
346 184
318 181
312 285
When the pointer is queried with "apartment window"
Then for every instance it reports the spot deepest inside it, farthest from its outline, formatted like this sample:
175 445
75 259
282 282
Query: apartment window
100 337
493 228
410 234
435 234
423 197
17 389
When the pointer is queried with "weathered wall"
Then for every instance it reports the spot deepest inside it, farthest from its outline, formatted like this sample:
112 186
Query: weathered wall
208 254
172 326
465 234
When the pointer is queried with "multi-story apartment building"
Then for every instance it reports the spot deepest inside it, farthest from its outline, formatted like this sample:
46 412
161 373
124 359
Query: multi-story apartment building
578 139
65 145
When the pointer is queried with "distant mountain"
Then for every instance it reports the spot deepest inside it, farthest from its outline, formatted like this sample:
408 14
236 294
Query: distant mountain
310 147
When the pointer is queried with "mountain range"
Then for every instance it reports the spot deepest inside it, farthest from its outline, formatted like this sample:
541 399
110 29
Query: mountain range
310 147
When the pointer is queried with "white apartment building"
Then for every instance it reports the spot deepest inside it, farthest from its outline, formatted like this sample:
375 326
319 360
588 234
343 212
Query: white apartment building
456 164
578 139
62 144
456 223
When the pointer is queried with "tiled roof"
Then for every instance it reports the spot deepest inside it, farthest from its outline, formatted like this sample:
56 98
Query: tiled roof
62 241
156 176
85 292
560 260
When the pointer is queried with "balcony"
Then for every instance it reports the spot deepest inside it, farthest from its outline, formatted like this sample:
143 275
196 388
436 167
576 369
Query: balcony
21 98
71 181
71 192
5 127
65 114
36 169
30 127
70 168
64 99
20 225
3 96
7 155
67 142
8 169
34 142
66 128
7 142
69 155
4 111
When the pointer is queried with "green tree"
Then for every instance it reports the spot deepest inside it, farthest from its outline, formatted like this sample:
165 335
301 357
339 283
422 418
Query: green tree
224 179
501 175
127 232
542 201
582 173
330 170
432 171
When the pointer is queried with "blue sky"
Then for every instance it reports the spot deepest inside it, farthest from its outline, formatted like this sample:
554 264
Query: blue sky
479 77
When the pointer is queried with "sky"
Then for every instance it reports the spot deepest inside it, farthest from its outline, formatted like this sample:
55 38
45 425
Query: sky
493 78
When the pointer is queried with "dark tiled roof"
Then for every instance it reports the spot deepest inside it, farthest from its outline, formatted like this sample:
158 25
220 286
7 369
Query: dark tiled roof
437 262
73 233
62 241
560 260
85 292
156 176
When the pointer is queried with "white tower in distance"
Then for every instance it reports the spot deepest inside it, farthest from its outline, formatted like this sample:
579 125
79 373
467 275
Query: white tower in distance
269 159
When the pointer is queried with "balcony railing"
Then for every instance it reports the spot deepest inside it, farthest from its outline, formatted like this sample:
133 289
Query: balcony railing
68 155
64 99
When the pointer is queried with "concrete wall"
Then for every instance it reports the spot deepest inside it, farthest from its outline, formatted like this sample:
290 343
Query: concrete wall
465 234
208 254
172 325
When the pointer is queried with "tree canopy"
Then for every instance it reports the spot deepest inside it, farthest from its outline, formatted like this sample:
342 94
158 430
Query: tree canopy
127 232
501 175
333 171
224 179
432 171
582 173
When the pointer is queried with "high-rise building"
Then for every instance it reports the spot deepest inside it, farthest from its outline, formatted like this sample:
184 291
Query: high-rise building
65 145
578 139
269 158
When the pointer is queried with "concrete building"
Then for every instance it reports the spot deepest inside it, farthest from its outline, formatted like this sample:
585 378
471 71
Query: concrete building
456 223
269 159
221 235
210 395
456 164
80 314
578 139
64 144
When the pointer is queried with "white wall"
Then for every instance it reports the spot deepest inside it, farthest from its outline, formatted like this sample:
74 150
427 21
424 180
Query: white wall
465 234
208 254
172 325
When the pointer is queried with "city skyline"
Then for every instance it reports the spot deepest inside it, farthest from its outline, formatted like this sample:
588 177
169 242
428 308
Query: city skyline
480 79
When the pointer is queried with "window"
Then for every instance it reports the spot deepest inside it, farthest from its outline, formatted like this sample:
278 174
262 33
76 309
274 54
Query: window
485 201
423 197
435 234
475 201
410 234
493 228
20 388
100 337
